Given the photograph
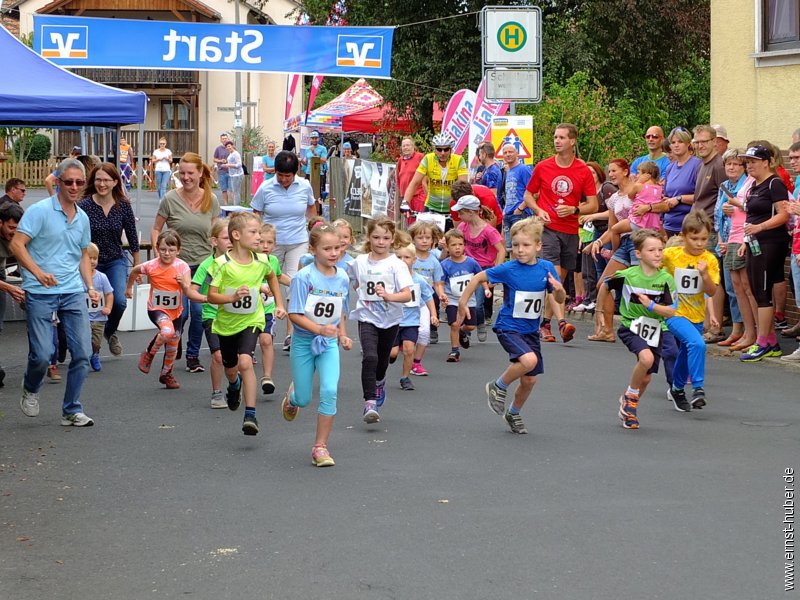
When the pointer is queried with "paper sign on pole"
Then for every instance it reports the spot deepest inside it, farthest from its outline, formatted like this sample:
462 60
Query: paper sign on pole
516 130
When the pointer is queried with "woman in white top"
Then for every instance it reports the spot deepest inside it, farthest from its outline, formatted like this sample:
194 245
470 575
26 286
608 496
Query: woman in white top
162 161
235 172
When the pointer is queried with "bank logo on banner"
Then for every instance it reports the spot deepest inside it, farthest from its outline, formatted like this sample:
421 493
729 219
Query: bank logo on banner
359 51
65 41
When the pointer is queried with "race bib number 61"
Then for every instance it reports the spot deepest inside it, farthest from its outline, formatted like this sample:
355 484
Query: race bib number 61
688 281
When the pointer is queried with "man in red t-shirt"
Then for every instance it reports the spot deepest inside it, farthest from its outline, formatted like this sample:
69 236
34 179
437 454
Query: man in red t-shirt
554 195
406 167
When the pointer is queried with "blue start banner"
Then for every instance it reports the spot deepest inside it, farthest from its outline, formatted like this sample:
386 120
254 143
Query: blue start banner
129 44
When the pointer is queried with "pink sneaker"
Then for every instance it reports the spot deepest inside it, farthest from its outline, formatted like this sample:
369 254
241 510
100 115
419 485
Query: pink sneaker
418 369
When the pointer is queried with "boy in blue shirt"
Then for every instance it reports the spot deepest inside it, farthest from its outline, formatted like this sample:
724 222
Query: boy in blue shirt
526 280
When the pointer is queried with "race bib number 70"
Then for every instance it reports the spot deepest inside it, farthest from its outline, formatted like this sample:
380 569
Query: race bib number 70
528 305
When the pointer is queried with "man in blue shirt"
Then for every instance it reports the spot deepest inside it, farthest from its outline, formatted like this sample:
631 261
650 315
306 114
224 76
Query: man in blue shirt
512 191
50 245
318 150
655 151
492 175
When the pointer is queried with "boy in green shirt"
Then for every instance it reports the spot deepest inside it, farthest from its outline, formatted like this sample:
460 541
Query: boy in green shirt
237 287
647 298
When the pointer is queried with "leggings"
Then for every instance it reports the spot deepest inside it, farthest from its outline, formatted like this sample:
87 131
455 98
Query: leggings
304 363
691 358
376 345
169 335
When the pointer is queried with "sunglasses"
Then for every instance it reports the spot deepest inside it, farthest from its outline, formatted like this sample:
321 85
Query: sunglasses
652 136
23 190
73 182
442 149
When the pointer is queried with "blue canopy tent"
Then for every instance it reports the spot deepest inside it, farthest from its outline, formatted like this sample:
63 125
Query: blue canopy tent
36 93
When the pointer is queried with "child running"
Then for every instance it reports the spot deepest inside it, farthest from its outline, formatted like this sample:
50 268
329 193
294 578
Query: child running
407 335
98 309
237 287
647 295
168 275
425 236
696 274
526 279
383 283
267 337
220 244
458 270
318 297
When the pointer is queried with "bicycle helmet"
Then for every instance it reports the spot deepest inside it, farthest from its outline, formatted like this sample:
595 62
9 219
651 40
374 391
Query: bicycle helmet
443 140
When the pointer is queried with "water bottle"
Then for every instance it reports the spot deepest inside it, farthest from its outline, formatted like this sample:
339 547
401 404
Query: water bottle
755 247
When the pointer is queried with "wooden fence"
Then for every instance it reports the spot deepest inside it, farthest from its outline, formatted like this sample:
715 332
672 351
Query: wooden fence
32 173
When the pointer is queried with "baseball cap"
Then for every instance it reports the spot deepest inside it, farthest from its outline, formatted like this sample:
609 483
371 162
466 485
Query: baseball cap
721 132
76 149
347 145
469 202
314 134
759 152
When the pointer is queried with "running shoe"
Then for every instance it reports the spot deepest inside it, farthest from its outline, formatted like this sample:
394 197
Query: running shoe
496 398
250 425
546 333
234 393
580 307
698 398
434 336
76 420
755 353
168 379
371 412
94 361
515 423
2 377
628 405
454 356
193 365
217 400
406 385
289 411
419 370
678 398
267 386
775 351
590 306
567 331
287 343
114 345
320 457
781 323
29 403
482 332
53 374
380 393
463 339
793 357
145 361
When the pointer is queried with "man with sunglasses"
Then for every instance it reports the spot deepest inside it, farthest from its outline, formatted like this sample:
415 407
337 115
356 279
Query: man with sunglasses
15 191
442 168
654 137
50 244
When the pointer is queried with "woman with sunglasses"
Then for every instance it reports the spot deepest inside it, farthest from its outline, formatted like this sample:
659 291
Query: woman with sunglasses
162 161
110 213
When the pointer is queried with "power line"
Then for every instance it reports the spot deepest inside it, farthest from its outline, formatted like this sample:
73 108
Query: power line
466 14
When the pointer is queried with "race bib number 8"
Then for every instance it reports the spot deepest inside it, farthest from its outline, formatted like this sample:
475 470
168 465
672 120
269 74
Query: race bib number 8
528 305
323 310
414 302
267 300
166 299
368 286
95 305
459 284
243 306
688 281
648 329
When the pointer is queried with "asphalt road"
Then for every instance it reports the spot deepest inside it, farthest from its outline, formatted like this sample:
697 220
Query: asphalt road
165 498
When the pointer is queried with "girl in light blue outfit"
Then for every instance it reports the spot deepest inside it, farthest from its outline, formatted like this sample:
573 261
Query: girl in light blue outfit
318 298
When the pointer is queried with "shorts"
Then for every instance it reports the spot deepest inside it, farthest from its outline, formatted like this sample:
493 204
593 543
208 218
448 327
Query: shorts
407 334
766 269
98 327
269 324
224 181
560 248
625 254
232 346
452 315
732 261
636 344
211 337
517 344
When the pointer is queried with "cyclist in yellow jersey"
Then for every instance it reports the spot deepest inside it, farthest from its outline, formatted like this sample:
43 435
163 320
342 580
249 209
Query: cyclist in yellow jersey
442 169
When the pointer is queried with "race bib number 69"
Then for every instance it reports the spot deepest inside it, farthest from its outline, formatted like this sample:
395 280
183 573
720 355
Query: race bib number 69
323 310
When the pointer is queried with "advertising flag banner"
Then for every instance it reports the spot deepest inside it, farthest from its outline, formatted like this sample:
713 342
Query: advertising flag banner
92 42
291 88
316 83
457 117
480 128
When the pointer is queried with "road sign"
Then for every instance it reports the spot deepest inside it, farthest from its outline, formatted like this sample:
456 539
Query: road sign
514 130
513 85
511 35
